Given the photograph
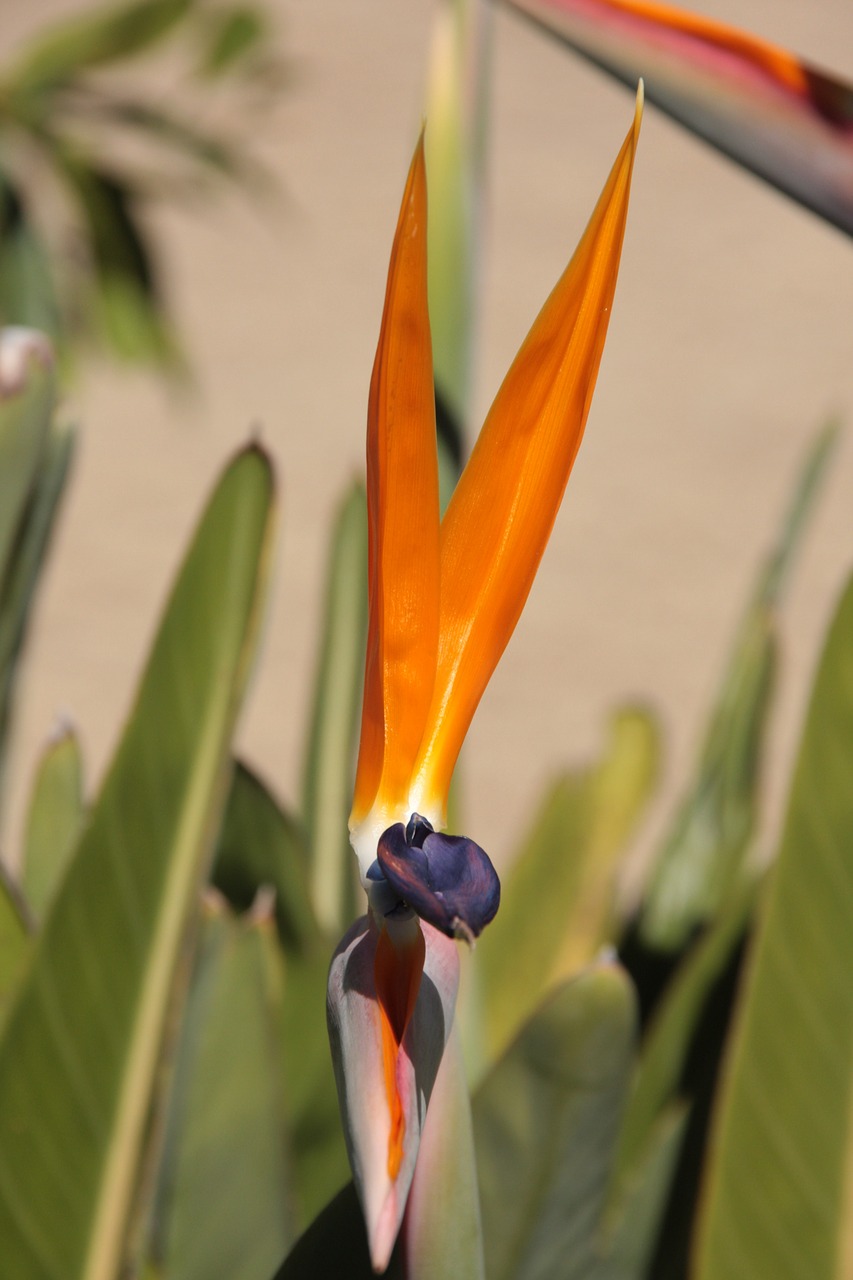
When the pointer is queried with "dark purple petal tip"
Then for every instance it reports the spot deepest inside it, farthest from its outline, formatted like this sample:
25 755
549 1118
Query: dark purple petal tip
448 880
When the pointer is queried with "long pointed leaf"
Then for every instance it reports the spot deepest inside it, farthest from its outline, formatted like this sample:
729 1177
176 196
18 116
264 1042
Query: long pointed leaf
79 1054
545 1125
260 846
557 897
14 939
327 790
781 1183
54 818
224 1209
780 117
703 853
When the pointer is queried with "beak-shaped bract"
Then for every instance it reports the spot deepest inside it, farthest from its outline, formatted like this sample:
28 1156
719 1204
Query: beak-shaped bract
390 1010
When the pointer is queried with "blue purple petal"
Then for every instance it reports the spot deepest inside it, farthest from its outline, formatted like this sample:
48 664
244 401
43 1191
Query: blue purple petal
448 880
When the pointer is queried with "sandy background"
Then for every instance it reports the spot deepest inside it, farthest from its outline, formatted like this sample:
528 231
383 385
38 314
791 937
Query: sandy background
730 344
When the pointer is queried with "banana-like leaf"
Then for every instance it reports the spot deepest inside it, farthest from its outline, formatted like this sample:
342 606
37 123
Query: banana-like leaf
27 291
329 765
702 856
79 1055
670 1032
24 571
15 928
233 37
313 1119
259 847
126 299
25 416
558 896
54 819
93 40
631 1229
784 119
223 1211
778 1196
546 1121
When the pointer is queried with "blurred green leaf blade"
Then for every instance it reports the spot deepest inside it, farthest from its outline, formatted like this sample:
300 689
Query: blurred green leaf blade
313 1119
25 418
557 896
224 1206
701 861
54 818
261 846
631 1225
94 39
79 1055
779 1182
329 766
14 939
27 289
668 1037
775 114
231 37
546 1121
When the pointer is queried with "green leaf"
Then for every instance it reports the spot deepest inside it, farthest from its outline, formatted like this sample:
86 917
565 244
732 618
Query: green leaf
223 1211
557 900
232 36
261 846
669 1035
765 108
546 1121
313 1119
54 819
126 303
19 588
79 1056
92 40
780 1188
34 465
329 765
702 857
631 1229
27 292
162 126
25 417
15 928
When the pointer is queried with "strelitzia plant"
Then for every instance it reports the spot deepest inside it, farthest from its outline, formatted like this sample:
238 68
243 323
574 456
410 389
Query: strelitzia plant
444 598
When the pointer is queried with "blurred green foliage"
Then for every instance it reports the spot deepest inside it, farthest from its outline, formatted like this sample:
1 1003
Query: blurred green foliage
101 116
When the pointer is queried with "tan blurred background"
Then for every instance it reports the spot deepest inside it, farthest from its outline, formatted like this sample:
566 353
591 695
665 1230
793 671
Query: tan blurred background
731 342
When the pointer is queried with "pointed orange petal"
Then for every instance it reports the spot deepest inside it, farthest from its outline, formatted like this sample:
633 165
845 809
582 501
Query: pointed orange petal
402 487
500 517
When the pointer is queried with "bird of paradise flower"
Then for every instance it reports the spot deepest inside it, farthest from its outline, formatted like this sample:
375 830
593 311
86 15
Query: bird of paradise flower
444 598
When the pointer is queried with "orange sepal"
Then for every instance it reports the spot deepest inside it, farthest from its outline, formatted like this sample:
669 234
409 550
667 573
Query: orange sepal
403 519
500 516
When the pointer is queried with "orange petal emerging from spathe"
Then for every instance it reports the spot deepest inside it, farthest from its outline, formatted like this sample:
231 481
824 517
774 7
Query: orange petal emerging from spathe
402 489
501 515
